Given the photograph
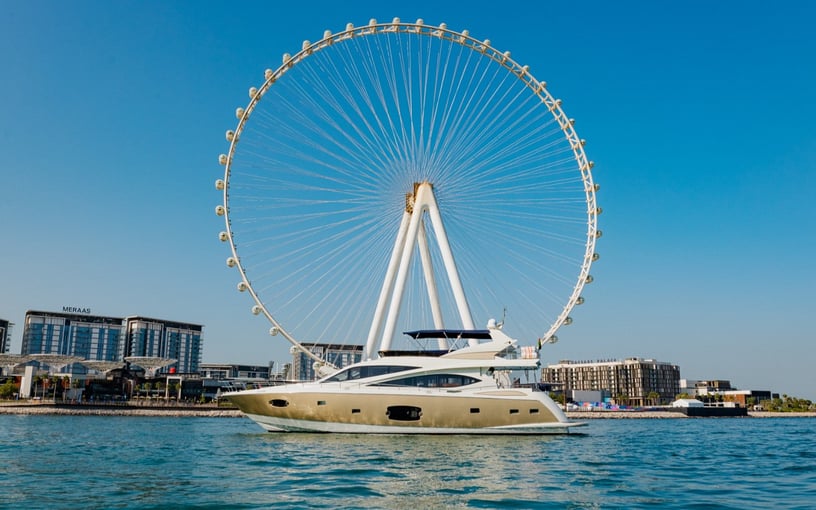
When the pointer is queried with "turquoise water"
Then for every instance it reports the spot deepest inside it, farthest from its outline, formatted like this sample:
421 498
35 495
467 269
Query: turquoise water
152 463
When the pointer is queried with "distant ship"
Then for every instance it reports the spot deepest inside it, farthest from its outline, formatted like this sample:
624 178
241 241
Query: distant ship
696 409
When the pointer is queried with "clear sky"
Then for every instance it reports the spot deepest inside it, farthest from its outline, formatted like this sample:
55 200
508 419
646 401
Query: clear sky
698 115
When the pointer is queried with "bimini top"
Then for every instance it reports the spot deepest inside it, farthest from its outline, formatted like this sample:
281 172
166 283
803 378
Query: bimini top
453 334
481 334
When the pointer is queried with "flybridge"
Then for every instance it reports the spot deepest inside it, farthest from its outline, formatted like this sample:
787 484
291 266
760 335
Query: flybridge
75 309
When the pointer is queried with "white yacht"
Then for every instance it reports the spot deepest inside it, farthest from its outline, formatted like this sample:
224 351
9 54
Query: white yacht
463 391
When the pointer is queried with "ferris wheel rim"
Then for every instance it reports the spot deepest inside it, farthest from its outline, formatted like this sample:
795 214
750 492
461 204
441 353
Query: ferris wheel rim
440 31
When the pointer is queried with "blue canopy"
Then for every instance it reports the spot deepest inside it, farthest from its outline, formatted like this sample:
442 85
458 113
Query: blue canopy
482 334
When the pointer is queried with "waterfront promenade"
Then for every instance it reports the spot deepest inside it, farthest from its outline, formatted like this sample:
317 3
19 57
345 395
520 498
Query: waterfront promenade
159 409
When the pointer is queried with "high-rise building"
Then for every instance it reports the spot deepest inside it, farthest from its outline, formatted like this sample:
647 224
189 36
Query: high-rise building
165 339
76 332
91 337
633 381
5 335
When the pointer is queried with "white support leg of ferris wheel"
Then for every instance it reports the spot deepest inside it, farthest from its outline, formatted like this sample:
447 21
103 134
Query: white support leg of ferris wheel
450 264
400 277
423 201
430 283
388 284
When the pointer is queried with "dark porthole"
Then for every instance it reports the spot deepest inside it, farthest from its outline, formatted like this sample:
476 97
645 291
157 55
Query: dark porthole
279 402
403 413
355 411
474 410
321 402
513 411
534 411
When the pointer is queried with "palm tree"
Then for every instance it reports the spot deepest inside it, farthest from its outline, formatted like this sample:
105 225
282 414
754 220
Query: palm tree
38 382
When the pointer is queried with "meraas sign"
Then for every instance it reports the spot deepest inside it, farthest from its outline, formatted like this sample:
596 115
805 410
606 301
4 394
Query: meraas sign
75 309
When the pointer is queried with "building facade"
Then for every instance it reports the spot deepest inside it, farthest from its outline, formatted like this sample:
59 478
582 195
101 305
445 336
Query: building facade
632 381
695 388
5 335
91 337
165 339
77 332
242 372
720 390
336 354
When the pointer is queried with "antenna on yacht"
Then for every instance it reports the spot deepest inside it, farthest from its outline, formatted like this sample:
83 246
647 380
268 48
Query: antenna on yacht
504 315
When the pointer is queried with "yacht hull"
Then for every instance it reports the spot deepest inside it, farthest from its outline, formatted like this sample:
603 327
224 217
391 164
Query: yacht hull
300 408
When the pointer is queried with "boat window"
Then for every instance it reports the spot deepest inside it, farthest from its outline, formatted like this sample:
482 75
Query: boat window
364 372
403 413
431 381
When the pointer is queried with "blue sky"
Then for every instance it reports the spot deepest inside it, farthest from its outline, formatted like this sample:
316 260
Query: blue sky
699 117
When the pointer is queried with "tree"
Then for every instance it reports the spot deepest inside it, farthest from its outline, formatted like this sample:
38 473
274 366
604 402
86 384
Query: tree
38 382
8 389
46 384
173 389
787 404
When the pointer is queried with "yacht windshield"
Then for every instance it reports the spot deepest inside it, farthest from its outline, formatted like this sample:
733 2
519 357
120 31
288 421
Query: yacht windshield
431 381
364 372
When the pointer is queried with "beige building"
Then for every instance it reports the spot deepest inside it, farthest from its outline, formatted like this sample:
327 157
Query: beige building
632 381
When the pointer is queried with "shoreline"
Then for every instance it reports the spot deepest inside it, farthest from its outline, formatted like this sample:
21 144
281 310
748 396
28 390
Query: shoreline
205 411
668 415
194 411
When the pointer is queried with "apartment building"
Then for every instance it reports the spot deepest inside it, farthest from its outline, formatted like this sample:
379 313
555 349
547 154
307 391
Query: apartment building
336 354
632 381
78 332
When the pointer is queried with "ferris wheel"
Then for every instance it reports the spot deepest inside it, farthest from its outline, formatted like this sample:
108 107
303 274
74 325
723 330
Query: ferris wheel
399 176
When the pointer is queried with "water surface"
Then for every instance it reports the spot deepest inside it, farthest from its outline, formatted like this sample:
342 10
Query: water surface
152 463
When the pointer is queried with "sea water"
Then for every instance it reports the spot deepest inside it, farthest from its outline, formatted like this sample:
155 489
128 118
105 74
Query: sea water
214 463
